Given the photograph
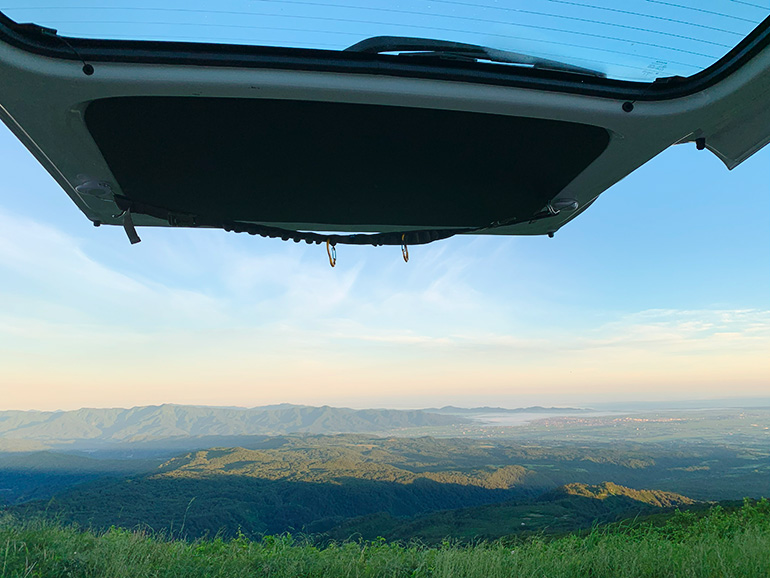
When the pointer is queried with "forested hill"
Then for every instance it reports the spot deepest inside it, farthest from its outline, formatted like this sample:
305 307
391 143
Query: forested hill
143 424
314 460
314 483
564 509
363 485
39 475
299 483
609 491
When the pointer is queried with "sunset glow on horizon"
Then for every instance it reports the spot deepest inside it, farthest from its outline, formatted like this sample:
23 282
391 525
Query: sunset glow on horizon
656 292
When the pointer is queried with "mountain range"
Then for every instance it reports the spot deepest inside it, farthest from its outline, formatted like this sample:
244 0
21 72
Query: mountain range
34 430
183 427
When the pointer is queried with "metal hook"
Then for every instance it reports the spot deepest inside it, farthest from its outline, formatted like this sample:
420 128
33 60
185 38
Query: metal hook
404 248
331 251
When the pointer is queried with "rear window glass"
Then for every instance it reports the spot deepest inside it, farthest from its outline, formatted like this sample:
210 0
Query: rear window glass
637 40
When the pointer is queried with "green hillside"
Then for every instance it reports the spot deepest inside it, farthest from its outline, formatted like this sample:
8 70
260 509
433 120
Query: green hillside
724 544
609 491
702 471
362 485
300 484
317 463
39 475
564 509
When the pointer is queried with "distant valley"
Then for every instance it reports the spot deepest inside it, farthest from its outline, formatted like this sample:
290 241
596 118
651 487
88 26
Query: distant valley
403 487
194 471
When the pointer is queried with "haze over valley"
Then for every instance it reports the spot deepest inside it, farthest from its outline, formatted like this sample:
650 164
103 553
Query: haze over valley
333 472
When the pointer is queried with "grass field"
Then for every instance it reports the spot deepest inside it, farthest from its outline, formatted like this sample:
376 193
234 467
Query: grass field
718 544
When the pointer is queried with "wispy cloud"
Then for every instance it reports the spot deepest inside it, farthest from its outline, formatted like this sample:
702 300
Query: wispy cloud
679 331
50 269
230 321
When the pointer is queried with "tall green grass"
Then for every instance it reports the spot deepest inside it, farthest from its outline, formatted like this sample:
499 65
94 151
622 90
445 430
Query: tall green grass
719 544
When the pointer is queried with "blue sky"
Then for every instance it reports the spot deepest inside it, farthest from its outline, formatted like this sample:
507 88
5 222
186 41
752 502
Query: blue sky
636 39
661 290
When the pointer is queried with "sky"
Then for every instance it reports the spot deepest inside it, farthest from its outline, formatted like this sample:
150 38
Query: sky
635 39
660 291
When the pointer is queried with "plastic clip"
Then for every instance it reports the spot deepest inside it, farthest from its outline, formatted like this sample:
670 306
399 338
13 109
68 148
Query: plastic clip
128 227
